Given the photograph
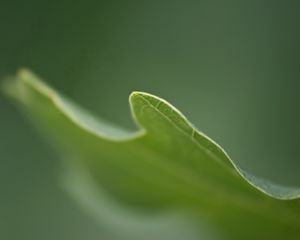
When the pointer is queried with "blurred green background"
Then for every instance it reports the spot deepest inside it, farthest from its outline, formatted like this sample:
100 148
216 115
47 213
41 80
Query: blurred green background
232 67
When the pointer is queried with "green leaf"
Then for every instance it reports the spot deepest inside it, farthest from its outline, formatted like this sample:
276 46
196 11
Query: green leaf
165 165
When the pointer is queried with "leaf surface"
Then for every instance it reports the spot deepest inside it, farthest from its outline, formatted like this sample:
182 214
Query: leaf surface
165 165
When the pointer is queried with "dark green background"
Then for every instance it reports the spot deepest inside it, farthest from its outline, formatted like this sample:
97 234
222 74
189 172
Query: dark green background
232 67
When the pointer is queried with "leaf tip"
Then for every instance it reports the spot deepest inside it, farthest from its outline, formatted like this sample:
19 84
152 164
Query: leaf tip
138 100
17 86
134 99
9 85
24 73
136 94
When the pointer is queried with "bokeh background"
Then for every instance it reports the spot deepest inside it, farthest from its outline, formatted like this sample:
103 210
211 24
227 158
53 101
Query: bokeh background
232 67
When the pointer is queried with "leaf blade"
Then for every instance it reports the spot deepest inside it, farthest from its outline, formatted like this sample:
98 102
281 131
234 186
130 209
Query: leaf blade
168 162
